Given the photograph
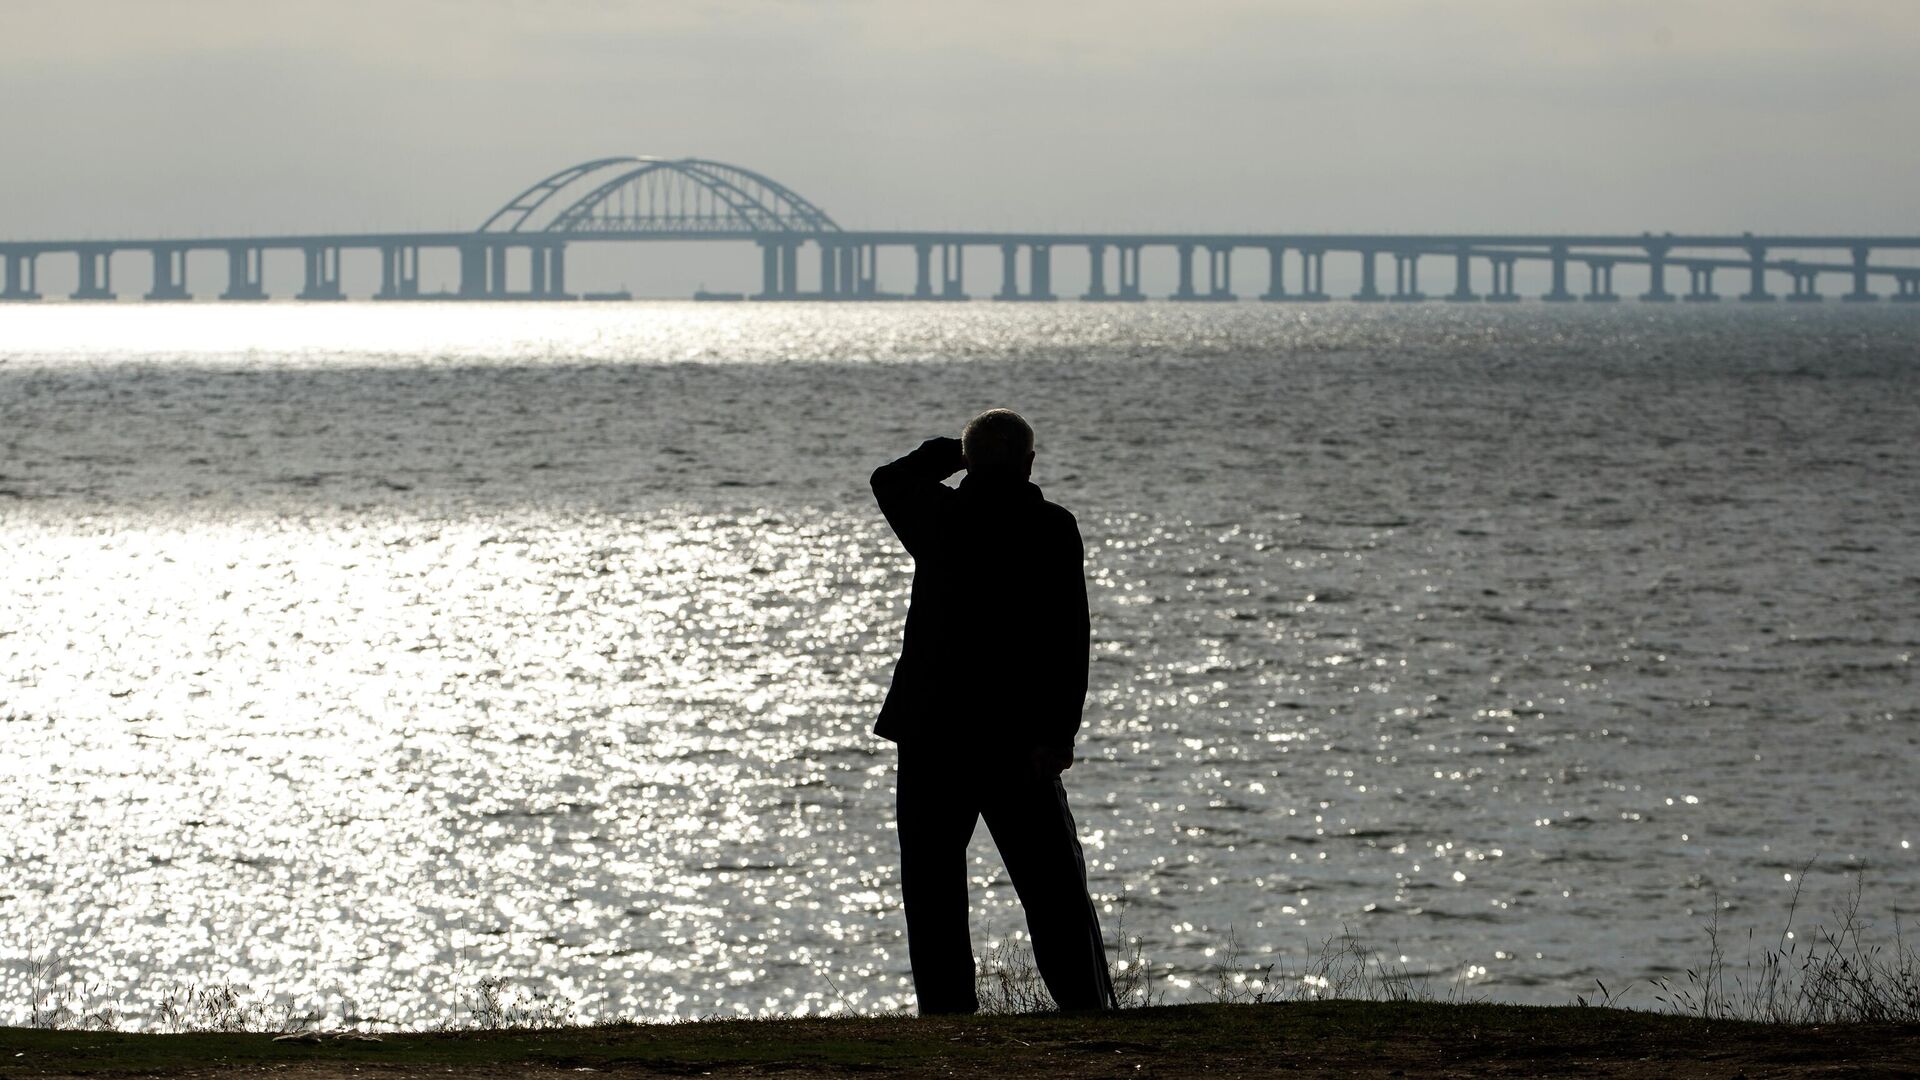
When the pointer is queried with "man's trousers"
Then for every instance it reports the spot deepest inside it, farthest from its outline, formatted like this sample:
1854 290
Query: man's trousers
940 795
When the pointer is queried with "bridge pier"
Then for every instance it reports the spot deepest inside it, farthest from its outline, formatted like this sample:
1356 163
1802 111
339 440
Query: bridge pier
21 283
923 271
537 265
1462 277
1096 273
952 271
1220 272
1656 275
323 273
1805 290
1558 294
1907 288
169 274
829 270
1039 273
1129 268
772 262
855 282
1406 277
1369 292
497 270
1040 277
399 272
1503 291
244 273
473 270
1185 289
1860 293
1757 291
96 273
1700 283
1276 274
1009 273
1313 276
1600 282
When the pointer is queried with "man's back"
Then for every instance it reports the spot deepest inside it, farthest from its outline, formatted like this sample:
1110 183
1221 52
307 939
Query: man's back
996 640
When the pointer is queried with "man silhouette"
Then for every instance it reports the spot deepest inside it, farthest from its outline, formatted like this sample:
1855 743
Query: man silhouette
985 704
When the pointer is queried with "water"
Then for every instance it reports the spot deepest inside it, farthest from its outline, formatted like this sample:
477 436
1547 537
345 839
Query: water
358 653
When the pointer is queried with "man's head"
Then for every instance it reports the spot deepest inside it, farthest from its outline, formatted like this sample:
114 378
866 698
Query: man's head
998 441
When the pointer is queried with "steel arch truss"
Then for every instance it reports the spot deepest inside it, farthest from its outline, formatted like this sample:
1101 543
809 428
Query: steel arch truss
656 195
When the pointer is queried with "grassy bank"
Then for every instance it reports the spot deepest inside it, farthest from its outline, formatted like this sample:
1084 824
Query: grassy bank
1327 1038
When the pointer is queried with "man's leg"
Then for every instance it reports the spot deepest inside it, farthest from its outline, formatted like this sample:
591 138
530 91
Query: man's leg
1035 833
935 818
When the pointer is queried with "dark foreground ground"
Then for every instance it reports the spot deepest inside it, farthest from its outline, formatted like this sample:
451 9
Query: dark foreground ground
1344 1039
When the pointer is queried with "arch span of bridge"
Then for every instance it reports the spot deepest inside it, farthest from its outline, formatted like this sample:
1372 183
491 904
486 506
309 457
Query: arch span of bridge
650 198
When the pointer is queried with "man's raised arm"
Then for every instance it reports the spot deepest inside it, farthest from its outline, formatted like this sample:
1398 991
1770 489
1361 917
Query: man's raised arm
907 489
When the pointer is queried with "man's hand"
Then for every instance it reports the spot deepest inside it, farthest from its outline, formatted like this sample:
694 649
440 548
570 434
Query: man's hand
946 453
1049 762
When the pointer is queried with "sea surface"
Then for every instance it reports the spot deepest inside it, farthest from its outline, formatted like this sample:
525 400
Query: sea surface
363 655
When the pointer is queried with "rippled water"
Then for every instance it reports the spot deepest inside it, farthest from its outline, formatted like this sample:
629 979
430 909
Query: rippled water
358 653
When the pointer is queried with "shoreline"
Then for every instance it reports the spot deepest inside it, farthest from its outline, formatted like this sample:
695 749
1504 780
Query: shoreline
1325 1038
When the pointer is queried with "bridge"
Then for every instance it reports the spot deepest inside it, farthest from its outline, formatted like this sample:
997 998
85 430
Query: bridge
627 199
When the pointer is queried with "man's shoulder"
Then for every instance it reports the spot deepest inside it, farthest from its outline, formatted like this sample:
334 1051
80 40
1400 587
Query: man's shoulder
1057 518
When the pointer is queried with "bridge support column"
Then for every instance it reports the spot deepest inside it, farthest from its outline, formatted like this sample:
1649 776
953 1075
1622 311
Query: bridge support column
169 275
1503 290
1860 293
829 268
1313 275
1656 275
1600 281
1406 277
1369 290
1009 272
96 274
21 283
1558 293
1220 272
1276 274
923 271
1804 288
769 270
849 276
1185 290
399 272
1040 276
1462 277
473 270
1130 273
497 270
952 271
1757 289
1096 273
244 273
323 273
1907 288
1700 283
537 270
789 270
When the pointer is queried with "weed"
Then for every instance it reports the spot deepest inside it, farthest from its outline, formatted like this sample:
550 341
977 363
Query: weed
1831 975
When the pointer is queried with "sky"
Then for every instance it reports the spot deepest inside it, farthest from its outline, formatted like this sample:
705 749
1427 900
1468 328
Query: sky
141 117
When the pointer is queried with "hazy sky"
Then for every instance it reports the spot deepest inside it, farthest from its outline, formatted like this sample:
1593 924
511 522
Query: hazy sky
171 116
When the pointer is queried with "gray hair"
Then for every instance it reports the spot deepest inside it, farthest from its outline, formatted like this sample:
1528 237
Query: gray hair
997 439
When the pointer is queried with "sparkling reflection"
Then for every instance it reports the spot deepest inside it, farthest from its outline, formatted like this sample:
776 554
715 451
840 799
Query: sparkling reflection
428 647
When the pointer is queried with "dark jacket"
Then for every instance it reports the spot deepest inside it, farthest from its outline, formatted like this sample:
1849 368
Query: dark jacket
996 644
